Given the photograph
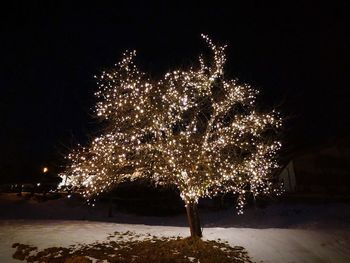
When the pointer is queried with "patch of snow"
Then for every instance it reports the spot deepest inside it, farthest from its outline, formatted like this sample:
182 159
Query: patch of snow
192 259
267 245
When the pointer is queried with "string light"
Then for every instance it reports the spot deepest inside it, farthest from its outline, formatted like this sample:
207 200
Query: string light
193 128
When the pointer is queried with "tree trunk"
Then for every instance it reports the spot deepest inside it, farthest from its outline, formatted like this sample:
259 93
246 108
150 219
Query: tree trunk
193 219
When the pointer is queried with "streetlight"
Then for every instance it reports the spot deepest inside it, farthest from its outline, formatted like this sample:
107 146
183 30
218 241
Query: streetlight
45 170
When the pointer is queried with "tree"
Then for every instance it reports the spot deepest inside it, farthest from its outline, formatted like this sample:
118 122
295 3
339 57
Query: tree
193 128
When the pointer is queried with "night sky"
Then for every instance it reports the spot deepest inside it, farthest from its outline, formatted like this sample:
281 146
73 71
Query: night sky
297 55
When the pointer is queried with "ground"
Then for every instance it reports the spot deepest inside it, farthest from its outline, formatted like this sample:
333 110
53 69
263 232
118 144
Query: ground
278 233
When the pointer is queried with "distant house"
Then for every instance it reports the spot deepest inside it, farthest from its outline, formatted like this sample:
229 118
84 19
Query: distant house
322 170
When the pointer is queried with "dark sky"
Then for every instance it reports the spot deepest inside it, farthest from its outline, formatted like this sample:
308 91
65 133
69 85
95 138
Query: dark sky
296 54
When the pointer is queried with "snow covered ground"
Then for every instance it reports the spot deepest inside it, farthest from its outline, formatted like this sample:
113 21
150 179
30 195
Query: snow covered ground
295 233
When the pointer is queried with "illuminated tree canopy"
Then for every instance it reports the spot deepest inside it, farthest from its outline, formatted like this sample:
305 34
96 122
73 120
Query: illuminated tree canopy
193 128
